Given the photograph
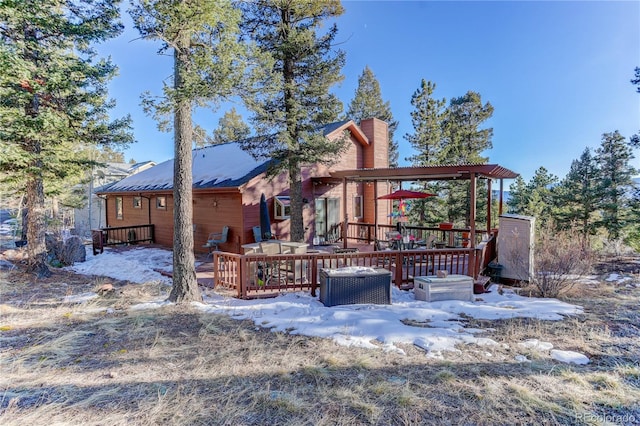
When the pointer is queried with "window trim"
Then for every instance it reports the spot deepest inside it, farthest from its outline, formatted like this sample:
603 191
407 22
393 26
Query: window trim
119 208
281 207
161 202
358 206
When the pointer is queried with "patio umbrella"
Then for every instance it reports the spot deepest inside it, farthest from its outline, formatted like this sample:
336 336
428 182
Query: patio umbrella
265 221
404 194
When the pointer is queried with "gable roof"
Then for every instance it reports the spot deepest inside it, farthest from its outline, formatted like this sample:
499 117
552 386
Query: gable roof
216 166
225 165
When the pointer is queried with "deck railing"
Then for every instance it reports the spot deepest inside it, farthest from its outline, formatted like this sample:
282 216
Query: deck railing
120 235
261 275
366 232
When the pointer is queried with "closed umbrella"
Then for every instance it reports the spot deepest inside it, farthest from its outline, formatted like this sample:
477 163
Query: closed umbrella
265 220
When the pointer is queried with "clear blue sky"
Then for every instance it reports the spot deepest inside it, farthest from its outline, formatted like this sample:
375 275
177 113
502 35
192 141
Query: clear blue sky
557 73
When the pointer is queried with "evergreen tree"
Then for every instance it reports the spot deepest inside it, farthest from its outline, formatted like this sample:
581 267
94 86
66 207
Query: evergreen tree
54 99
614 163
464 139
367 103
208 65
535 198
576 197
426 118
463 142
231 128
518 196
296 100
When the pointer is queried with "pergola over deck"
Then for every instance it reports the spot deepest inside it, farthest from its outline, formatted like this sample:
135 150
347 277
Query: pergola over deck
470 172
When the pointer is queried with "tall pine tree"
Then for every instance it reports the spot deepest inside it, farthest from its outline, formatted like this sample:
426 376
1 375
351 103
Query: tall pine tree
296 100
576 197
208 66
614 163
54 99
367 103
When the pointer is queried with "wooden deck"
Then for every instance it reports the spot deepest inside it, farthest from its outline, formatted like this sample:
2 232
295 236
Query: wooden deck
260 275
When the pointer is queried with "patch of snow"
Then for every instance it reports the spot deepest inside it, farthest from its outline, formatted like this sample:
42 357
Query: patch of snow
368 326
522 358
536 344
80 298
569 357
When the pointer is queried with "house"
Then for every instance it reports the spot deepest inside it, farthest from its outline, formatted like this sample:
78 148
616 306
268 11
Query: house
228 183
92 216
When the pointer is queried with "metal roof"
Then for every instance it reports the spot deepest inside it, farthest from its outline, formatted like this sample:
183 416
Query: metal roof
440 172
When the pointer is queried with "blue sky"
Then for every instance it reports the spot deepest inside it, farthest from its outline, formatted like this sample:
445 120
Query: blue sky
557 73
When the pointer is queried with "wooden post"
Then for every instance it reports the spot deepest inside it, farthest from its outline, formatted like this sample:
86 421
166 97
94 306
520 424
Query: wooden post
488 208
472 213
345 225
398 275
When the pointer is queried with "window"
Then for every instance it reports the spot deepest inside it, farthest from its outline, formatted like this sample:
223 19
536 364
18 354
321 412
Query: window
357 207
282 207
137 202
119 210
161 202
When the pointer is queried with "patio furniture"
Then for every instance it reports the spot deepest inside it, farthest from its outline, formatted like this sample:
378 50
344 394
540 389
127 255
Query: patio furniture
348 286
217 238
453 287
257 234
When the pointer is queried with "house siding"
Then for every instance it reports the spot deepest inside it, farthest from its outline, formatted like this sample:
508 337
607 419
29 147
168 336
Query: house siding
239 207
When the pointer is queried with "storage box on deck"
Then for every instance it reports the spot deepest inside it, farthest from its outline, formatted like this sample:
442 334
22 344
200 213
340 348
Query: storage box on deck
454 287
345 288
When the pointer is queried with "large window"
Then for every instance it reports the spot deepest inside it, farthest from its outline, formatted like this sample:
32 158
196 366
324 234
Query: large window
119 209
282 207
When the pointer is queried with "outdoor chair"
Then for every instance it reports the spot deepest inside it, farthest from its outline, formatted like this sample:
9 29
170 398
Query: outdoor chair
257 234
217 238
272 269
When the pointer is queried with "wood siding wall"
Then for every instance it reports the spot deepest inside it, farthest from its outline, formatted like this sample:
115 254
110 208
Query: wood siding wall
239 208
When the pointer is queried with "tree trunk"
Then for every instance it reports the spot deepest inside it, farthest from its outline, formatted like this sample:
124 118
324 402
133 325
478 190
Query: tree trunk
185 284
36 247
295 192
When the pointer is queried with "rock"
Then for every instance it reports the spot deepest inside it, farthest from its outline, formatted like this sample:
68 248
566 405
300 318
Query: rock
6 265
105 289
73 251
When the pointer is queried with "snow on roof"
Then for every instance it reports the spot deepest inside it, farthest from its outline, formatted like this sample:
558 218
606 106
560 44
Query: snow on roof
220 166
225 165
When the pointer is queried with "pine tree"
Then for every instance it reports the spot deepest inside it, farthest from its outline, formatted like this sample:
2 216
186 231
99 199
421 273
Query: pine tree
54 100
576 197
535 198
231 128
426 118
614 163
208 65
295 101
464 139
367 103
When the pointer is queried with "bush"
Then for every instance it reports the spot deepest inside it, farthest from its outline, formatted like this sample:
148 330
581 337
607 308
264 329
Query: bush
560 259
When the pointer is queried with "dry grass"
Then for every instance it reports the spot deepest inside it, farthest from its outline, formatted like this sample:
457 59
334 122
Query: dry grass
100 363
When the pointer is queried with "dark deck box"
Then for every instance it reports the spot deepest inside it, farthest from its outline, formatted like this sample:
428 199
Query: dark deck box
347 288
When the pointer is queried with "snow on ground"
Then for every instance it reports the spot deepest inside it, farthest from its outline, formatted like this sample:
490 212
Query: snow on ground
139 265
436 326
